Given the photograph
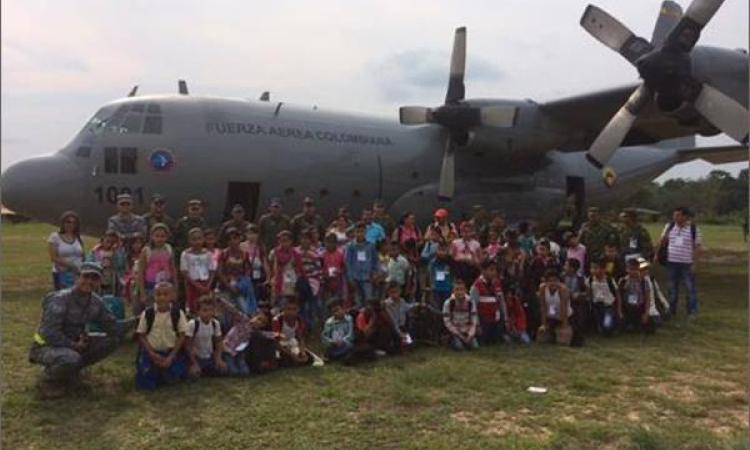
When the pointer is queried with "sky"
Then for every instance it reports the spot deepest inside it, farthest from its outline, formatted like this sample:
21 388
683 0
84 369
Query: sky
63 59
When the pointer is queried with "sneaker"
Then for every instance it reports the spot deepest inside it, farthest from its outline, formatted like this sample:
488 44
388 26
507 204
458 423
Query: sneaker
380 353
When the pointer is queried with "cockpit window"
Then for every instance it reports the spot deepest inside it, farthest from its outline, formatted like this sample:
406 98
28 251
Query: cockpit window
152 125
137 107
131 118
132 123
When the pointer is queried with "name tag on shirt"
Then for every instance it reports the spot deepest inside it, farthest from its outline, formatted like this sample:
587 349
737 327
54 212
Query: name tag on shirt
633 243
633 299
361 256
552 310
256 274
331 272
440 275
289 276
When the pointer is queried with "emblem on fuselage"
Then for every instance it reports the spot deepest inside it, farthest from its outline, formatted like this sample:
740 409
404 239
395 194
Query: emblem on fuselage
161 159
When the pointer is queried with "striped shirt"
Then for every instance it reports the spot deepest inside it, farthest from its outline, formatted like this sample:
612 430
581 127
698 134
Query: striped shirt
680 243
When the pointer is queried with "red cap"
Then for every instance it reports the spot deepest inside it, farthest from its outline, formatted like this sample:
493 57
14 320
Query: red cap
441 213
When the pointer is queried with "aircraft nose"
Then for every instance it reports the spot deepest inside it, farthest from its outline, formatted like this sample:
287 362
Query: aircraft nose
41 187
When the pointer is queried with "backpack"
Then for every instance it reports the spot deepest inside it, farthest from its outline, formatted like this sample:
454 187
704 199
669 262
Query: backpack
610 284
197 326
150 314
662 253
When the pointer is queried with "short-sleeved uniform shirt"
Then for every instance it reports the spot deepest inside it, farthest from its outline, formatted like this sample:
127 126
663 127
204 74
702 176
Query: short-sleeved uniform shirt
162 336
203 342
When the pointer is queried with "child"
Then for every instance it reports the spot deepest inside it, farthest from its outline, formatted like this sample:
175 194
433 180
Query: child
554 308
467 254
441 276
198 269
460 318
575 250
614 264
129 281
209 238
104 254
285 268
312 269
487 295
334 271
577 290
290 329
361 260
493 243
533 277
398 309
604 297
248 343
233 271
515 324
161 334
204 340
337 336
256 257
659 304
398 266
374 332
636 293
526 241
156 264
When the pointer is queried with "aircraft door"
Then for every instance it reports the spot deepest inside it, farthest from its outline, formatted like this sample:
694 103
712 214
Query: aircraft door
245 194
575 193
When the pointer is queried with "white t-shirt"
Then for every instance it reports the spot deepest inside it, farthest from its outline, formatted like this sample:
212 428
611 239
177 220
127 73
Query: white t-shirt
204 341
197 265
70 252
600 292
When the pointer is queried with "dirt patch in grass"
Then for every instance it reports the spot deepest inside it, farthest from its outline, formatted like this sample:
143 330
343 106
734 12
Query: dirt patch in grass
501 423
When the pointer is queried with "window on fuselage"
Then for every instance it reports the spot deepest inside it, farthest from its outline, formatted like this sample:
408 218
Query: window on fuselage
152 125
111 163
128 160
132 123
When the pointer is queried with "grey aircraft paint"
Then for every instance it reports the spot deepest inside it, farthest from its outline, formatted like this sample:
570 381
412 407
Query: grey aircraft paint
291 152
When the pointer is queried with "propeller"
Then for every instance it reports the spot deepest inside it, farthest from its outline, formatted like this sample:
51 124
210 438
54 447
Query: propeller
456 115
664 66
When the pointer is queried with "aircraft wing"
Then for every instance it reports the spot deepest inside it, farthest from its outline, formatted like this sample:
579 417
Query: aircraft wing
587 114
715 155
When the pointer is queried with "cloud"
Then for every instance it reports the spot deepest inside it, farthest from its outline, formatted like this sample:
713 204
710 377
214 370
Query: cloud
414 73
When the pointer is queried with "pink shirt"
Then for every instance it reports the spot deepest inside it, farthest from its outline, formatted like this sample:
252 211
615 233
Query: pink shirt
463 250
578 252
158 265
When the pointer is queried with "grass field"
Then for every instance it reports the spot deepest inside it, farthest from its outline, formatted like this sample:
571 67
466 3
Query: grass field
683 388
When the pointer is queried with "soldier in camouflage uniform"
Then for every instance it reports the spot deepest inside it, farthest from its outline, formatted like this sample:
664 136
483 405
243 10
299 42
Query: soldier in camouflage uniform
381 217
193 219
635 240
271 224
308 218
125 223
61 343
595 234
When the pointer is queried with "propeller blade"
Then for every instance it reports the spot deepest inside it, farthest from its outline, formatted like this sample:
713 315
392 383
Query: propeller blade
456 89
724 112
498 116
684 36
669 15
414 115
614 132
447 184
612 33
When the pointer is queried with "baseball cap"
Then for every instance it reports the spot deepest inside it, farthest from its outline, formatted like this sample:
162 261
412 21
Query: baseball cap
124 198
441 213
275 201
238 208
195 202
308 201
157 198
92 268
593 209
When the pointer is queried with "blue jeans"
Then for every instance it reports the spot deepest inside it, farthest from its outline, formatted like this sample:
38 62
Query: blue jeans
340 351
458 344
362 292
245 300
312 311
148 376
63 280
492 332
237 364
606 319
680 272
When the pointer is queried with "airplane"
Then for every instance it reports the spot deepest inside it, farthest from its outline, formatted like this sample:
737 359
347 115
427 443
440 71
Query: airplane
527 159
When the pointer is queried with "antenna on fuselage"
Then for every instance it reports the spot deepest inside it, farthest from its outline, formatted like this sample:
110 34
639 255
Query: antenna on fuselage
133 91
182 87
265 96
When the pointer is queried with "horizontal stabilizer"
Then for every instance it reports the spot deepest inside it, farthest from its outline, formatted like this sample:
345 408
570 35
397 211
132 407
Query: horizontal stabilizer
715 155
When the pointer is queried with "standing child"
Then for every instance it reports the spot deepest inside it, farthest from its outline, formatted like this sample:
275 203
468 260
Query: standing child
161 334
441 276
198 269
398 267
337 336
487 295
614 263
285 267
334 270
467 254
312 269
398 309
129 281
460 318
576 285
204 341
575 250
156 264
515 324
361 260
256 258
636 294
604 297
104 254
234 270
493 243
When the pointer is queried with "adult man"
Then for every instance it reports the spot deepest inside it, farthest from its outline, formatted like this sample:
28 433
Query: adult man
595 234
635 240
237 221
374 232
61 343
125 223
307 219
272 223
157 214
683 243
381 217
193 219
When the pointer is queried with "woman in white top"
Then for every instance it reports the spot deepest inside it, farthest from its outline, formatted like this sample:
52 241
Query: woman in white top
65 249
554 303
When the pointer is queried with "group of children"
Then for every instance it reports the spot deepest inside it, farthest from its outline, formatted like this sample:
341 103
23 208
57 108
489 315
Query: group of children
241 308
